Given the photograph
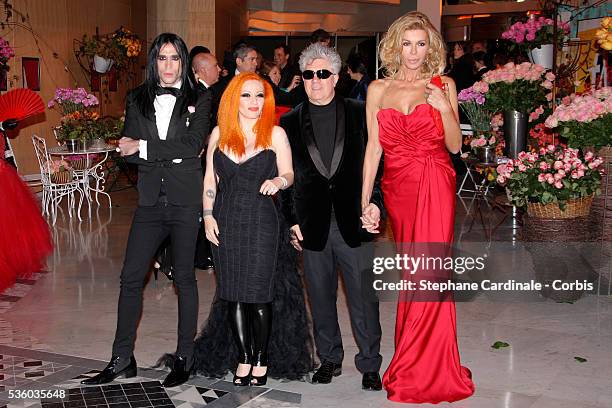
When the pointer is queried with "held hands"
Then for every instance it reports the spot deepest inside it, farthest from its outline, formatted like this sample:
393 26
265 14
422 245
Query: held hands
370 218
437 98
270 187
296 237
128 146
212 229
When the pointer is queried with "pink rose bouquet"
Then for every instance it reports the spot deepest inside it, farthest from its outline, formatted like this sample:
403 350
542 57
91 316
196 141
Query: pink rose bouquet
585 120
535 32
516 87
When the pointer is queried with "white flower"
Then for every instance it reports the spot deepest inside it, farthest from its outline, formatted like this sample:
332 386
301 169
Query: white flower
191 109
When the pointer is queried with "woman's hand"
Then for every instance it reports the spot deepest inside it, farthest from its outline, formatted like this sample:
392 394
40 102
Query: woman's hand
212 229
437 98
270 187
370 218
294 83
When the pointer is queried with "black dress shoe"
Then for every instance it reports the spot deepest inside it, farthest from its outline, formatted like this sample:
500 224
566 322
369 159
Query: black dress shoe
325 373
117 367
205 264
371 381
179 374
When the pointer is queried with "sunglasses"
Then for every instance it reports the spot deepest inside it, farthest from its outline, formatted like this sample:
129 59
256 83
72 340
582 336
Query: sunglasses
321 74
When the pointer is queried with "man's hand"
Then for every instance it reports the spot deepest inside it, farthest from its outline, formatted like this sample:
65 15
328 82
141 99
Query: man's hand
128 146
370 218
296 237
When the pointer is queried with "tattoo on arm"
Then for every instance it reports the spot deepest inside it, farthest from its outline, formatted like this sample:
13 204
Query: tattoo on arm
210 194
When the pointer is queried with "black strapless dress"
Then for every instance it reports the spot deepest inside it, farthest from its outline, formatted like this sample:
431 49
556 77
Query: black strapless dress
255 260
245 260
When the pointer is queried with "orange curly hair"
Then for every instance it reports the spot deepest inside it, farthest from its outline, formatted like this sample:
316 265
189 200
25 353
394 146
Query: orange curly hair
231 137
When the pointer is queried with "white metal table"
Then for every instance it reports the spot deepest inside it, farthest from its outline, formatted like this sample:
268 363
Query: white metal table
93 170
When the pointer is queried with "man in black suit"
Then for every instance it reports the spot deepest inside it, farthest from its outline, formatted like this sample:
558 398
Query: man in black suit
206 70
288 72
328 136
166 122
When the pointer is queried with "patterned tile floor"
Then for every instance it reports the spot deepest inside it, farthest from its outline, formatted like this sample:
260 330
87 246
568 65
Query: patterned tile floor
31 372
25 368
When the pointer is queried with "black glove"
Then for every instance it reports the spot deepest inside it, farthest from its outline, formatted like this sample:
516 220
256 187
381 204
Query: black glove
9 124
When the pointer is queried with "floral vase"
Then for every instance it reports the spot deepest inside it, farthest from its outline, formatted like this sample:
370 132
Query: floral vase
543 55
515 133
485 154
72 145
102 65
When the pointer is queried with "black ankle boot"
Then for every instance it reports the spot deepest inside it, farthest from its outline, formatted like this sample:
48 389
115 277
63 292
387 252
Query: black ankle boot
117 367
179 374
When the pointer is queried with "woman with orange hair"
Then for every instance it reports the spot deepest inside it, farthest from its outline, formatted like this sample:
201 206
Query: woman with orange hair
248 161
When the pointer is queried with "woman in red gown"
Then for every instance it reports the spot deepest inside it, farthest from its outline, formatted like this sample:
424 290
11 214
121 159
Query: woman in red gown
412 118
25 241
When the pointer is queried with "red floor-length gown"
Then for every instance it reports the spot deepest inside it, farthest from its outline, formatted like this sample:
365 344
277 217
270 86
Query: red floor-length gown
25 241
419 193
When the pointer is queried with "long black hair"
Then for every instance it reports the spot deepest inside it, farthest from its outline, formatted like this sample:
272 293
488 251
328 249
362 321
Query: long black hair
146 96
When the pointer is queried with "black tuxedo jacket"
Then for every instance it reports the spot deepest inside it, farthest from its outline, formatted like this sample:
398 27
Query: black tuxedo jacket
315 189
185 139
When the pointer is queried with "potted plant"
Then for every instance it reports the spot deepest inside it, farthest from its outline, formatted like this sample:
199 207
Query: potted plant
604 34
6 53
60 171
485 139
515 90
585 120
536 37
555 182
118 48
78 120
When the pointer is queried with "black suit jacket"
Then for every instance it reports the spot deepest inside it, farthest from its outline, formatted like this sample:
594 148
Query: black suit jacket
186 134
315 189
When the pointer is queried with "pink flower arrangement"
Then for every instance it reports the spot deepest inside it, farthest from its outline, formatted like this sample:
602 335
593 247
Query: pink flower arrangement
553 174
57 166
72 100
535 32
516 87
6 53
586 120
536 113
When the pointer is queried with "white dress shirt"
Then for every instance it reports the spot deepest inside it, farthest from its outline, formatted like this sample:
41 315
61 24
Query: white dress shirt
164 105
204 83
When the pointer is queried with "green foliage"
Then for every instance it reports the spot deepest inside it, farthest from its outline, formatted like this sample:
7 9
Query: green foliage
597 133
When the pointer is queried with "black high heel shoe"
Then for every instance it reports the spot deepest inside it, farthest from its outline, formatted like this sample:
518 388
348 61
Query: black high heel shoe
260 360
259 381
242 381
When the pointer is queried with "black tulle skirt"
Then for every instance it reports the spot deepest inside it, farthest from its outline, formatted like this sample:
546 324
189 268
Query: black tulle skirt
290 351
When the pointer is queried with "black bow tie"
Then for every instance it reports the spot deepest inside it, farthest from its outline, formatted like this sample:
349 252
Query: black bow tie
161 90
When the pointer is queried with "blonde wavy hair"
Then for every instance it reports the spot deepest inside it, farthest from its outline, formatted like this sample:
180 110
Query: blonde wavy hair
391 45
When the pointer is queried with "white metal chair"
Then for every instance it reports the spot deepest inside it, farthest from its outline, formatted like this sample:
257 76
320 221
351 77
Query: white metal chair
53 193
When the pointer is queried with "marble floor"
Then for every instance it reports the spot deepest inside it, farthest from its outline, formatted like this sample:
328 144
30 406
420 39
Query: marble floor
58 326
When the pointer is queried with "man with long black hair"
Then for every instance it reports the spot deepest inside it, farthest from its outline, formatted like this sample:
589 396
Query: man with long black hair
165 125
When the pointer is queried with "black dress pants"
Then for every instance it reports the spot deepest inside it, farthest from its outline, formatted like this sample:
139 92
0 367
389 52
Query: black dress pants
150 226
320 270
